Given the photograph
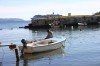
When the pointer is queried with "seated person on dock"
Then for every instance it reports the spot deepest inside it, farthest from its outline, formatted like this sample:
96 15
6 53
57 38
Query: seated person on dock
49 35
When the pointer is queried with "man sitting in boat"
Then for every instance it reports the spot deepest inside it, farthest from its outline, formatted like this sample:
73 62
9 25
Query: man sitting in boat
49 35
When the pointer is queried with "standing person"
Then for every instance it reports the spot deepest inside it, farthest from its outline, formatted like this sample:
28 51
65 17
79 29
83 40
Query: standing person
49 35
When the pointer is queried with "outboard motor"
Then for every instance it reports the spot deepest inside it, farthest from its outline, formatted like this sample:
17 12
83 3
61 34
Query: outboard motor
24 43
24 46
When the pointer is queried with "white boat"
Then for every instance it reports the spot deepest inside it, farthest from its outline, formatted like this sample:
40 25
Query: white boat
44 45
82 24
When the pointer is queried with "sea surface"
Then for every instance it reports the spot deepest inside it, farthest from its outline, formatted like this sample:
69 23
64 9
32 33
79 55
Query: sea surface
82 47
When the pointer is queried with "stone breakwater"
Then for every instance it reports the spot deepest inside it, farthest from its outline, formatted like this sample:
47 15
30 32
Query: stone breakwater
64 21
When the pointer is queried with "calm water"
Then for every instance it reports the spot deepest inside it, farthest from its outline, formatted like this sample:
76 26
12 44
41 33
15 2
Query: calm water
10 25
82 48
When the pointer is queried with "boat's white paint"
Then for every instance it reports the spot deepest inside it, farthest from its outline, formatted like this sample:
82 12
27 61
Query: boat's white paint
44 45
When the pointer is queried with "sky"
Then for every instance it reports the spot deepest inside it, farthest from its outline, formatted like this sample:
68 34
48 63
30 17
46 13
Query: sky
26 9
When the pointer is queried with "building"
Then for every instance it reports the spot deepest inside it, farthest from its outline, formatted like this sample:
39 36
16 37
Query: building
45 16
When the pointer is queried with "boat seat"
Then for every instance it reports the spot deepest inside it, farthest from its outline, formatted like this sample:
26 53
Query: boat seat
47 42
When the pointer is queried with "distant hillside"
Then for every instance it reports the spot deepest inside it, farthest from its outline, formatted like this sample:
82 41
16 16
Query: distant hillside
11 20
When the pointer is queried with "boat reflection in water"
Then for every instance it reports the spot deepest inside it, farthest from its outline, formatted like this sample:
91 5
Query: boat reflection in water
47 54
35 57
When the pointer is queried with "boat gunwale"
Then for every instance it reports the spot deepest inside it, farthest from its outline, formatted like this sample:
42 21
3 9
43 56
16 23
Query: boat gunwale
41 45
57 41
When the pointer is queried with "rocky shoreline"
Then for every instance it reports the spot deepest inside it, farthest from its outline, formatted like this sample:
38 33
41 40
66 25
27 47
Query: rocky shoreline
64 21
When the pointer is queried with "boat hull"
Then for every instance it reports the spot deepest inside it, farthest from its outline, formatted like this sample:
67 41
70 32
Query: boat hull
41 48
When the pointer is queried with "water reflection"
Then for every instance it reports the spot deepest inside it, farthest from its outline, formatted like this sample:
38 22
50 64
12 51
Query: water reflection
47 54
17 63
0 63
36 56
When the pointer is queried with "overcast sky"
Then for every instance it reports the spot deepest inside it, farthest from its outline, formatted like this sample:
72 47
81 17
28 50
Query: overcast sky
26 9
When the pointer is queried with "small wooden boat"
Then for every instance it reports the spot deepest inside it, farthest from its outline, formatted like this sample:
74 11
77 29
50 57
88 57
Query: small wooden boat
44 45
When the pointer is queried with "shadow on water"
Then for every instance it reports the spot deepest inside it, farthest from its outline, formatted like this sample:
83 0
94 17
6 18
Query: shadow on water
26 58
